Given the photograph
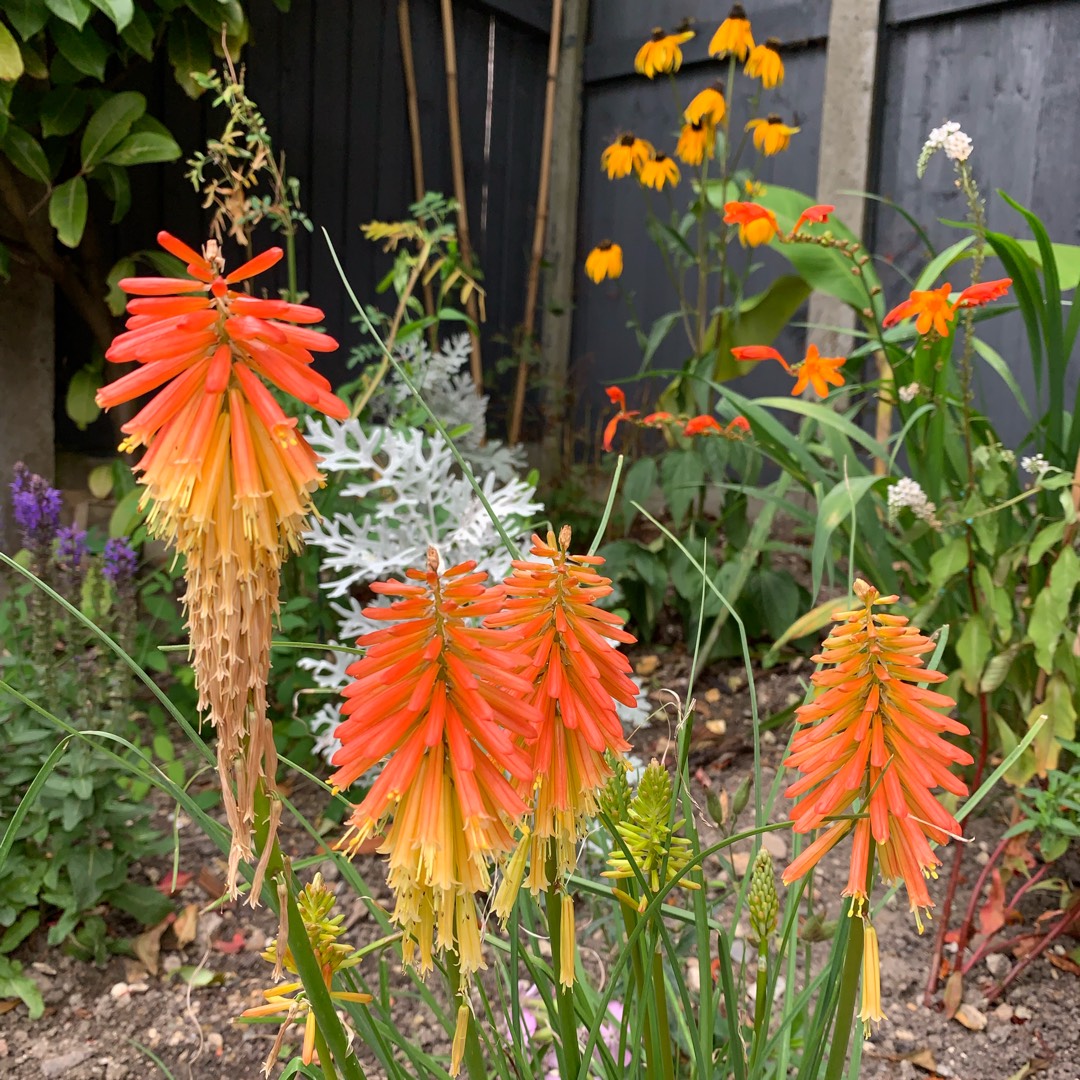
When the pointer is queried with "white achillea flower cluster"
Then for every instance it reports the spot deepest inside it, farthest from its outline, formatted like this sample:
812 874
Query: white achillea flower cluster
951 139
909 393
907 494
1034 465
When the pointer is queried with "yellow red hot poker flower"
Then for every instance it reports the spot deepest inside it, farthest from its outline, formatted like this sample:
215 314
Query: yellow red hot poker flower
872 747
229 482
579 676
445 699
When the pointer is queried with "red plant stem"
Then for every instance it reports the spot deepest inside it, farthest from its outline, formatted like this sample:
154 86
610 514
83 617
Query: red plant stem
1037 876
1071 916
976 892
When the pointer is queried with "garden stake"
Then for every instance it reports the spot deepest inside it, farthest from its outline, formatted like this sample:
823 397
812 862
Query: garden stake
540 229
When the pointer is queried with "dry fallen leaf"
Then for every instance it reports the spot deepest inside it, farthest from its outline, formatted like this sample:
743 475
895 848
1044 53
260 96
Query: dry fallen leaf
186 926
646 665
147 946
210 883
169 884
954 994
922 1059
234 945
1064 963
7 1005
970 1017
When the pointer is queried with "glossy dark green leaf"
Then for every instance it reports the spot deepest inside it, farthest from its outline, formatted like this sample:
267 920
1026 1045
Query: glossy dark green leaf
144 148
11 60
109 126
62 110
68 205
26 154
27 16
83 49
73 12
120 11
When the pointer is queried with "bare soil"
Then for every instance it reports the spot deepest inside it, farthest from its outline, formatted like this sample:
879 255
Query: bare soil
96 1016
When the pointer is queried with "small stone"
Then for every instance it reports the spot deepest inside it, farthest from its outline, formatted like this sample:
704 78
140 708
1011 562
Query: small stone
119 990
256 941
716 727
998 964
775 844
982 857
62 1065
116 1070
971 1018
735 683
902 1035
1022 1013
739 862
646 666
712 695
768 738
1004 1012
215 1042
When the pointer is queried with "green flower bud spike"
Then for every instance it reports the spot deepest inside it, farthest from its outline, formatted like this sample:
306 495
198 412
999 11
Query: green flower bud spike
763 902
646 834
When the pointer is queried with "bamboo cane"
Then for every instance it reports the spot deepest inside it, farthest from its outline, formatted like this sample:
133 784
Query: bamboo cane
412 100
540 231
458 166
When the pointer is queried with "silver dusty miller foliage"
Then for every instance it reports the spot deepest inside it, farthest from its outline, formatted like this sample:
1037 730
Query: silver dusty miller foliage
401 491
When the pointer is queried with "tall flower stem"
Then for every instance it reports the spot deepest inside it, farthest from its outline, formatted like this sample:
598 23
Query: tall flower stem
564 995
663 1029
845 1006
630 920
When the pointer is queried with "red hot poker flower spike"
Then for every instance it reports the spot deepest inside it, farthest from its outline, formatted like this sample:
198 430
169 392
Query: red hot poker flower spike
445 700
873 736
579 678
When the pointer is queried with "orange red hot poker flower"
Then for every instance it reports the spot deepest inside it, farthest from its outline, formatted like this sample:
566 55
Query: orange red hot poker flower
579 676
229 480
447 701
872 744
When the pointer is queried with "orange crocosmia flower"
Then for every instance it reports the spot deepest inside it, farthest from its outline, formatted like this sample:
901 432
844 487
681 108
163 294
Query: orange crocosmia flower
817 215
757 225
701 425
760 352
930 306
983 293
871 746
616 397
447 701
579 676
658 418
819 372
738 424
229 480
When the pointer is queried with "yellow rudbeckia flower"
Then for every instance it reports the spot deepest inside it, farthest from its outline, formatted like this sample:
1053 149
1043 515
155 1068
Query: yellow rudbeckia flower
658 171
696 142
771 135
604 261
733 35
708 105
765 64
625 155
661 54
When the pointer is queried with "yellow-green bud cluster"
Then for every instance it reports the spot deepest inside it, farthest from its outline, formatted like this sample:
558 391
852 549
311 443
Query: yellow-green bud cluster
647 835
615 796
315 902
763 903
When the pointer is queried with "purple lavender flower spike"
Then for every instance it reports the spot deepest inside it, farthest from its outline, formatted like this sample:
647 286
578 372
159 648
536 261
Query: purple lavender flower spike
71 549
120 562
35 507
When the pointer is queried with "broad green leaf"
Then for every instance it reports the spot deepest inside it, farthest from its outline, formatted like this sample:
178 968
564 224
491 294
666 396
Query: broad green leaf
218 13
25 153
758 321
114 179
67 211
941 262
1050 612
33 64
188 52
813 622
638 486
101 481
73 12
1044 540
27 16
138 35
126 515
1060 709
142 902
82 49
824 268
62 110
1066 259
116 298
659 331
1024 767
973 650
109 125
120 11
681 477
13 984
79 403
995 672
947 562
5 263
835 508
11 60
144 148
